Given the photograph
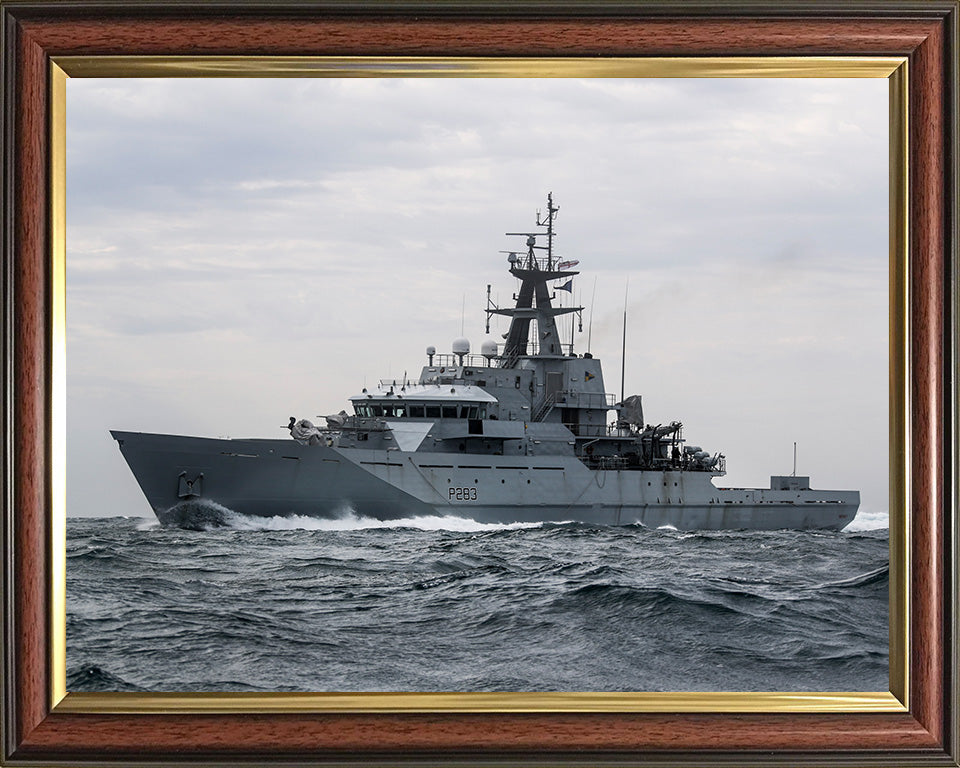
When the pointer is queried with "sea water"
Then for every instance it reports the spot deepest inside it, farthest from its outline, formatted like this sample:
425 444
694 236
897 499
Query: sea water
447 604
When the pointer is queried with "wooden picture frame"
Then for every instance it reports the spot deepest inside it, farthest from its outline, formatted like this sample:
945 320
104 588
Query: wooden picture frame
40 727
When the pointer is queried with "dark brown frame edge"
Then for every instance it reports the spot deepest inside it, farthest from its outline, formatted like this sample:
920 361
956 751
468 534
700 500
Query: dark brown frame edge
926 32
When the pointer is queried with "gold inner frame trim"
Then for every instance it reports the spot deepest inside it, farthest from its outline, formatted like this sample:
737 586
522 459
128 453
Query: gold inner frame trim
58 382
893 68
899 387
382 703
430 66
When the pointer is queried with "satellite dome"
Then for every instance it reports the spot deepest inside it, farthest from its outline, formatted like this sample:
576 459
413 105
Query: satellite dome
512 258
431 350
488 349
461 346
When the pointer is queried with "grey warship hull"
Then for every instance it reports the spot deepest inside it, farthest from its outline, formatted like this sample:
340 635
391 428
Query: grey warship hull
180 477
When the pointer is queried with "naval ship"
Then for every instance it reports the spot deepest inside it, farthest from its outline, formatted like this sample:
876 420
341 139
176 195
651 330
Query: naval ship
523 432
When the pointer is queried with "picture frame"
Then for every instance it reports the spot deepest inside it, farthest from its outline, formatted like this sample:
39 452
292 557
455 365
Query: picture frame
917 720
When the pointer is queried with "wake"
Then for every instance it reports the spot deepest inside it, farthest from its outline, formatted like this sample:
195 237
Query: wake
350 521
208 516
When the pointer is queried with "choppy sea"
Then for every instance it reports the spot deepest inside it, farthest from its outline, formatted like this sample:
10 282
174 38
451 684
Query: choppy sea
444 604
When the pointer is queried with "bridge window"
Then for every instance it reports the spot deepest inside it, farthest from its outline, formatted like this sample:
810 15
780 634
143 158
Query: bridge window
395 410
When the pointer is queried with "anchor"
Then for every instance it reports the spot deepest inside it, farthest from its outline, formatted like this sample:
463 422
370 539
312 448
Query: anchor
190 489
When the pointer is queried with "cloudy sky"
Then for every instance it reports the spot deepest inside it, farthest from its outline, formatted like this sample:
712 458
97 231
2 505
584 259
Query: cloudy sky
240 251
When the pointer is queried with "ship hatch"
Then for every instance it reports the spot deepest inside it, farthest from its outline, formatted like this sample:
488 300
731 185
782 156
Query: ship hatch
554 383
571 419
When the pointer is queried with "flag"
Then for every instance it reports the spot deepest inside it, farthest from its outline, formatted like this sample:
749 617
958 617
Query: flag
567 286
587 376
568 264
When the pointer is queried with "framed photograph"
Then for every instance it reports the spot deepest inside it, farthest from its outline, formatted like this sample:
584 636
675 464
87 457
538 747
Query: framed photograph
378 71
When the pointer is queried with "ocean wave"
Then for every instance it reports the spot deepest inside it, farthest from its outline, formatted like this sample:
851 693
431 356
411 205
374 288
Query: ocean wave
196 515
867 520
653 601
438 581
879 575
104 554
90 677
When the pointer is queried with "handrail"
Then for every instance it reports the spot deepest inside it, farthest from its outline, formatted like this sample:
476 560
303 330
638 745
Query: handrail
577 399
526 262
545 407
445 360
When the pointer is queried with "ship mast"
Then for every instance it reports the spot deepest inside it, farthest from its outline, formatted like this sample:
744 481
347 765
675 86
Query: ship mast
548 223
534 300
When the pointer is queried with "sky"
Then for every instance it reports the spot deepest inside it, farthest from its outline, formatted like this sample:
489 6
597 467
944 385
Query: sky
240 251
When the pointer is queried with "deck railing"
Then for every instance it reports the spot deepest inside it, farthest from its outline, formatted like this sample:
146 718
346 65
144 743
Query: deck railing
453 361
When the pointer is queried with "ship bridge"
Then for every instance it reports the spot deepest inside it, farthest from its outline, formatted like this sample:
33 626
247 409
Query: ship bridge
425 401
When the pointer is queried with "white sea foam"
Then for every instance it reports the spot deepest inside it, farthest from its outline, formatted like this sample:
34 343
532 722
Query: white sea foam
869 520
148 524
350 521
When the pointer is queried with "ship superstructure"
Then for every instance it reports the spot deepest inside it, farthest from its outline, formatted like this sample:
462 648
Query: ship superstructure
523 432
